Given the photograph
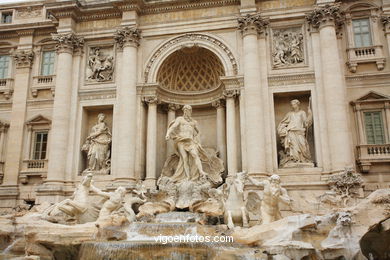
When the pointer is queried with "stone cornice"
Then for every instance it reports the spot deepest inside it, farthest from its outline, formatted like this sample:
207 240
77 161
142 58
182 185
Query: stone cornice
23 58
291 79
326 15
67 42
127 36
252 24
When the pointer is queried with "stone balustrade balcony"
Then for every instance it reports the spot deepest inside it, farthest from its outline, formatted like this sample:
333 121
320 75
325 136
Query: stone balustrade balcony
32 168
43 83
372 153
368 54
6 87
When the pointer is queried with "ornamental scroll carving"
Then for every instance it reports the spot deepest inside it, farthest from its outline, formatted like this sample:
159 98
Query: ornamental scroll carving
326 14
100 67
127 35
67 42
252 23
288 47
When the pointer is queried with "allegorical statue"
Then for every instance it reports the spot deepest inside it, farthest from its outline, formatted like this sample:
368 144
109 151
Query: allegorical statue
100 68
185 134
97 147
292 131
272 195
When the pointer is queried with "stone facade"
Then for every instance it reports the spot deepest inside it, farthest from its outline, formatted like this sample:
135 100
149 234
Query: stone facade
237 63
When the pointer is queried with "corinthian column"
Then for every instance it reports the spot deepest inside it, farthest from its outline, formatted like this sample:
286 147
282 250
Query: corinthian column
327 19
151 142
251 27
221 128
231 134
66 44
23 61
127 38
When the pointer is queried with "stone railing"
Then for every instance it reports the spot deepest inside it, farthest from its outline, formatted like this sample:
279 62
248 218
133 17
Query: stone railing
372 153
6 87
43 83
33 168
365 55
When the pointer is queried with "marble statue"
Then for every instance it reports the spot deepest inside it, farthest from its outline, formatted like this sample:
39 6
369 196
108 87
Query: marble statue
273 194
185 134
292 131
288 47
74 207
97 147
100 68
114 201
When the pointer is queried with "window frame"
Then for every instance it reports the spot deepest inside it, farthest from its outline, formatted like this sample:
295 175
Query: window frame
41 63
383 122
370 31
34 142
7 74
7 12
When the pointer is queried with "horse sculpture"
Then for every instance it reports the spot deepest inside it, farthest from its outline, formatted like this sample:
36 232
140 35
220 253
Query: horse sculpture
235 211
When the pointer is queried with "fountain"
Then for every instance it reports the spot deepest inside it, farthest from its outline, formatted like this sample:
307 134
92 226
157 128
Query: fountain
194 213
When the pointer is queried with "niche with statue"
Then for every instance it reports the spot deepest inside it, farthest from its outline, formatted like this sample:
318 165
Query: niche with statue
96 141
294 130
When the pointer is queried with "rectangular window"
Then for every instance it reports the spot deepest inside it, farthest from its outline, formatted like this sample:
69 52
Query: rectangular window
362 32
6 17
47 67
374 127
40 145
4 64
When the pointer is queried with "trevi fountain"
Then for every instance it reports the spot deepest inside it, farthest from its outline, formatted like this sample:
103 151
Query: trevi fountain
194 199
194 129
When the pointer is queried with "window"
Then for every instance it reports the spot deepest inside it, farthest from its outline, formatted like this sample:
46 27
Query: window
40 145
4 63
362 32
47 67
6 17
374 127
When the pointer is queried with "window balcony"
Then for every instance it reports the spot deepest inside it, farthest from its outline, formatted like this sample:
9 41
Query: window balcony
43 83
370 54
32 168
6 87
372 153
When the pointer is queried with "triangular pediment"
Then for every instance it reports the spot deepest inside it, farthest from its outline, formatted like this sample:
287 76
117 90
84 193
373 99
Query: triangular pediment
39 120
373 96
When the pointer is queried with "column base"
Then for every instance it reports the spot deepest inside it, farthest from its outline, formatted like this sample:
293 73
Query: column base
150 183
8 197
53 192
121 182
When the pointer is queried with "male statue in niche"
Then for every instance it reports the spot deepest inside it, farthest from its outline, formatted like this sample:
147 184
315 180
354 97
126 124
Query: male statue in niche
97 147
292 131
185 134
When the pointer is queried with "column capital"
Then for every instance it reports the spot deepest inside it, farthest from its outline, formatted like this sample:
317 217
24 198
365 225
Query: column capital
67 42
329 14
173 107
385 19
23 58
231 93
151 100
252 24
127 36
220 103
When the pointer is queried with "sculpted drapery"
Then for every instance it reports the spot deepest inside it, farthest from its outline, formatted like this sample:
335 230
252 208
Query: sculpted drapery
292 132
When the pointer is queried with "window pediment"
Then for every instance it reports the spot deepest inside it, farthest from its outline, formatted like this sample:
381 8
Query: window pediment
38 120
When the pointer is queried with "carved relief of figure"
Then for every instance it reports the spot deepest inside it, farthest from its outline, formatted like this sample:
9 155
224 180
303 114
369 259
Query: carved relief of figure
288 47
292 131
185 134
273 194
100 67
97 147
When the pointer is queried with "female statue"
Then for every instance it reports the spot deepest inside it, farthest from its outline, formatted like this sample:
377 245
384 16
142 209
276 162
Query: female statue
97 147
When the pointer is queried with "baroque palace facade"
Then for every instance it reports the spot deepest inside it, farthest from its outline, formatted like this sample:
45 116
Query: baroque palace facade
92 86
